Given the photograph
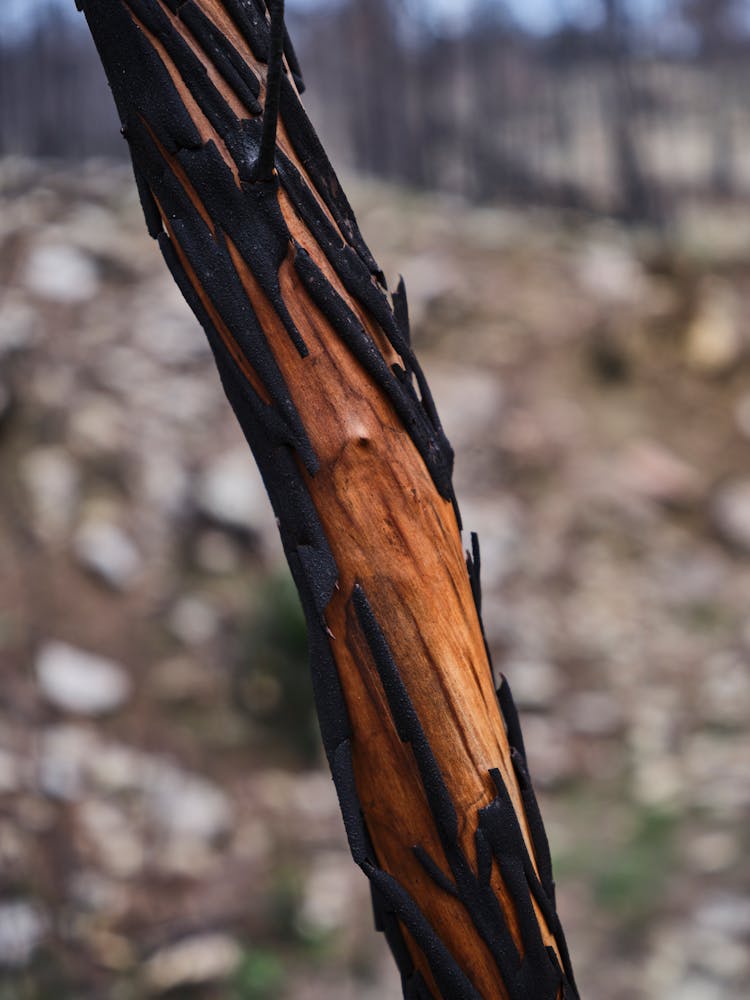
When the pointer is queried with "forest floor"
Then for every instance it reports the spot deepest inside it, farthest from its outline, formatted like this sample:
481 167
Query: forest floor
166 822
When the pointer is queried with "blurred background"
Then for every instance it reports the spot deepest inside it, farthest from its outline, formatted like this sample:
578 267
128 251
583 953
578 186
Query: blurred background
564 185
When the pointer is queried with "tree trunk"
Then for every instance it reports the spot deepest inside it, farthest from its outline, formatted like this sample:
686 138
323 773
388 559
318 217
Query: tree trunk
314 357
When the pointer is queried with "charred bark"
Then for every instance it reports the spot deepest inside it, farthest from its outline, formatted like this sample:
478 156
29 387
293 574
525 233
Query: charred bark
315 358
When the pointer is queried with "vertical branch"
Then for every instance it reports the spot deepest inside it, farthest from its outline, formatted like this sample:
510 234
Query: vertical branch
315 358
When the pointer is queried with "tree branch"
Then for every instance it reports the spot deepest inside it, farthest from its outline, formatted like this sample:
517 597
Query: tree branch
429 765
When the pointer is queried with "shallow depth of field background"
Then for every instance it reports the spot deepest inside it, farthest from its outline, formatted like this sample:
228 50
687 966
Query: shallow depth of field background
568 199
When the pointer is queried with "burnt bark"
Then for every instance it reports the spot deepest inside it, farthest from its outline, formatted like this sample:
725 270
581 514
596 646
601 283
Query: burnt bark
315 358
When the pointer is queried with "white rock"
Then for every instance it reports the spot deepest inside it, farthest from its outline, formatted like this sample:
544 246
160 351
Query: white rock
22 928
730 513
79 682
188 805
60 273
193 621
727 913
51 480
202 958
231 493
103 548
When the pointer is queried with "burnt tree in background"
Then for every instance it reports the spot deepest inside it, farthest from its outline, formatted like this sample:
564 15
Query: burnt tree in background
427 758
578 114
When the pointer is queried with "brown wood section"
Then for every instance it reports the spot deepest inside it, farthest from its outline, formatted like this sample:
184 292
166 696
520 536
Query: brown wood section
391 531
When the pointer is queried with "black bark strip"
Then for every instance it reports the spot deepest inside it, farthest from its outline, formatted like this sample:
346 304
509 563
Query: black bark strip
186 181
532 976
267 155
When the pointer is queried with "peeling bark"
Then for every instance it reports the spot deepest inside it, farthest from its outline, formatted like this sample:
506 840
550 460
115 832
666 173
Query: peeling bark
315 358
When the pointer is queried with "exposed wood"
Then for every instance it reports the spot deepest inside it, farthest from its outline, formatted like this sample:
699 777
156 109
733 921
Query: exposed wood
428 763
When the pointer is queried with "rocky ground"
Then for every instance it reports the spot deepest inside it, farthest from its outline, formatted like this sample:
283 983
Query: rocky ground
166 825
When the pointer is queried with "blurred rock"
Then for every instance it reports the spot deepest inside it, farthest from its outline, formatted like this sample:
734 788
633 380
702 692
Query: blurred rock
164 326
11 773
693 577
164 483
95 426
430 279
467 400
231 493
102 547
713 341
594 713
649 470
63 755
79 682
5 402
14 848
18 323
111 951
92 891
116 769
185 804
330 894
180 679
196 960
742 414
712 851
724 688
728 913
61 274
112 837
549 751
52 482
500 525
659 783
22 929
730 513
215 553
609 271
535 683
193 621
